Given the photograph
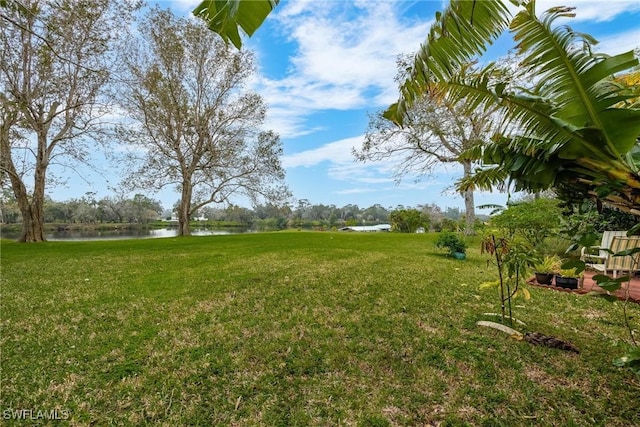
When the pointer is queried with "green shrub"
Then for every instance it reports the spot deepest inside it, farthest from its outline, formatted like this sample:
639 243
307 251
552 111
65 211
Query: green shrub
532 220
452 242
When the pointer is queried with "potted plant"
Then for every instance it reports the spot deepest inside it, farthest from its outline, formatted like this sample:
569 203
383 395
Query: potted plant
457 247
568 278
545 269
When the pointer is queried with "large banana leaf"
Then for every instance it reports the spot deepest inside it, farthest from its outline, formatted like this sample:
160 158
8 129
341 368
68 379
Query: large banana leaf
576 82
227 17
462 32
575 124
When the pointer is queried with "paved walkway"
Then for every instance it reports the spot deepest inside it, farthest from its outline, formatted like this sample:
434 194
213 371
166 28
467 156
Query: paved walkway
589 285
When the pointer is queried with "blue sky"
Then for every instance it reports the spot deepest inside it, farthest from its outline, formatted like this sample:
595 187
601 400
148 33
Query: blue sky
323 66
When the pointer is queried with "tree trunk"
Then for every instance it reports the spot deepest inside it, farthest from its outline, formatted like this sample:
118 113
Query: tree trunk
184 214
469 204
32 211
32 224
31 208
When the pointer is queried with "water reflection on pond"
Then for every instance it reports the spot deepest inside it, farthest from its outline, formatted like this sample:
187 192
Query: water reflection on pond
126 233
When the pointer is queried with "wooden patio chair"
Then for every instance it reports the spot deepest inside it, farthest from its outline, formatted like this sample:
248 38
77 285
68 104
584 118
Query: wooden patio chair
620 264
598 254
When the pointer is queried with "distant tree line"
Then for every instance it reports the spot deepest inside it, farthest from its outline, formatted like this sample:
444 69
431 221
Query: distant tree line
328 217
143 210
88 210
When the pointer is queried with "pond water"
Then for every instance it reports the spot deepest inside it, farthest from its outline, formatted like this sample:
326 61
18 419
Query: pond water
124 234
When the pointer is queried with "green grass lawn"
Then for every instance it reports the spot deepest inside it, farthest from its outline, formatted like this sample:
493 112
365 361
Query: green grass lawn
295 328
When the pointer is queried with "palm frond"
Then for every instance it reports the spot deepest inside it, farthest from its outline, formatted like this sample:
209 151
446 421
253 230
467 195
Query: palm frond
486 179
522 114
576 81
575 110
462 32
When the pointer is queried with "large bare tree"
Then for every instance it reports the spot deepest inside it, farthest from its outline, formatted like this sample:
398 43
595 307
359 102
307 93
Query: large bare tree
54 65
195 124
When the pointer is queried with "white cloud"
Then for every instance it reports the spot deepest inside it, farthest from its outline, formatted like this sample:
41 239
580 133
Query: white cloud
390 186
344 59
619 43
375 180
357 191
287 123
587 10
356 53
367 177
345 54
342 166
338 152
362 173
304 94
294 8
593 10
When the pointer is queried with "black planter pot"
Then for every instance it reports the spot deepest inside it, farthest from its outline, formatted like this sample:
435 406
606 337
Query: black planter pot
567 282
544 278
